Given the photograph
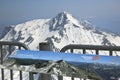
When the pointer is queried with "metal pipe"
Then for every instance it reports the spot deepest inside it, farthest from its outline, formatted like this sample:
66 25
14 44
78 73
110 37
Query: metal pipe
90 47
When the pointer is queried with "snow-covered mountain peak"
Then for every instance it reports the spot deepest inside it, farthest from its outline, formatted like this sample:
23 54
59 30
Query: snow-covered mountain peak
60 31
64 15
62 19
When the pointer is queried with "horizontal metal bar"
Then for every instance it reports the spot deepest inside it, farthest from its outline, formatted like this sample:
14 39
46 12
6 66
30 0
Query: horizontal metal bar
91 47
14 44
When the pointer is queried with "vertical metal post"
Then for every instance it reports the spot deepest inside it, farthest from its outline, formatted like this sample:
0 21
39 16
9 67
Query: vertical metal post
11 74
20 71
84 51
97 52
2 70
31 76
72 78
45 77
11 71
10 47
71 50
19 47
110 53
20 75
60 77
1 60
2 74
44 46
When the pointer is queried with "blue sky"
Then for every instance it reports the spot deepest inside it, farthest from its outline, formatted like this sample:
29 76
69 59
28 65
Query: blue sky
102 13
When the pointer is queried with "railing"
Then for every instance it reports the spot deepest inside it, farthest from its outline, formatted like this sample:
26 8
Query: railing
10 46
97 48
84 48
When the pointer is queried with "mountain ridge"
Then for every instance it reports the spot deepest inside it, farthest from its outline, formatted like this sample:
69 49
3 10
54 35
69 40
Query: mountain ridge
61 30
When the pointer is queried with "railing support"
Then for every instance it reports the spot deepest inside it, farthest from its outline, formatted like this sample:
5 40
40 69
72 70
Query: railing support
10 45
60 77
